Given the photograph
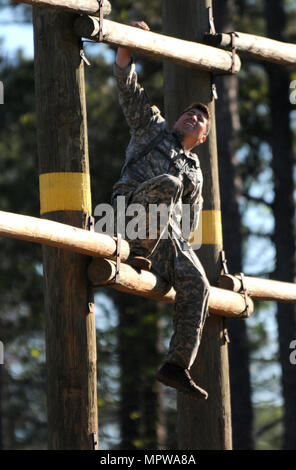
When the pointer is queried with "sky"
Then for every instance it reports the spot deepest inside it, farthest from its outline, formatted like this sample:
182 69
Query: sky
15 35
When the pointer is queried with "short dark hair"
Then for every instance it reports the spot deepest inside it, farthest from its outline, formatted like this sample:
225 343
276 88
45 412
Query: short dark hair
205 110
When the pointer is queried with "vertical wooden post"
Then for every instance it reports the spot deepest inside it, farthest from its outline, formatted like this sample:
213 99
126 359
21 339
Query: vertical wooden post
65 197
227 114
201 425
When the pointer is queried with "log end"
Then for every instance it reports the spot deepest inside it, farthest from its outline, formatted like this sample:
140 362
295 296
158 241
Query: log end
100 271
227 281
86 26
212 39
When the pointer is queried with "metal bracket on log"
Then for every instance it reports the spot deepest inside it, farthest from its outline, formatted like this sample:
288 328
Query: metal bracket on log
224 262
212 31
95 441
233 51
208 39
211 21
118 250
90 300
101 16
214 88
91 223
83 56
246 313
225 332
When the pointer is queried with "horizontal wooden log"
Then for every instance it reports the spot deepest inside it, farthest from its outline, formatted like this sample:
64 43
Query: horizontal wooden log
158 46
86 7
101 272
59 235
256 46
260 289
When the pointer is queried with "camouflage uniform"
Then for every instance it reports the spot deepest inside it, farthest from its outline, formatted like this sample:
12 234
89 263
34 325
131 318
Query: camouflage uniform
159 170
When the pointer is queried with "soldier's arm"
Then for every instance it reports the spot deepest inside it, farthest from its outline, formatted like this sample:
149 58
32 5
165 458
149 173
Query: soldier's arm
132 97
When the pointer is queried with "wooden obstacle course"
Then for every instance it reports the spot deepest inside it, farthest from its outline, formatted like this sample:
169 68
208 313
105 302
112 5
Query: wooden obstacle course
147 284
158 46
101 271
189 54
163 47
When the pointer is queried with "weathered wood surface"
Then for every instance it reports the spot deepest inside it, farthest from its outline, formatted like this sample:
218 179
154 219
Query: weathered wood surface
158 46
71 357
101 272
260 289
256 46
87 7
60 235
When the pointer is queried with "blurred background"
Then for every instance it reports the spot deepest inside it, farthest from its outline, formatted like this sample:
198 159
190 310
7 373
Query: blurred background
256 125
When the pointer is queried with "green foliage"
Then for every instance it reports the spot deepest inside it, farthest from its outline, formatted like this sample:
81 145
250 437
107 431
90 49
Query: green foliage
21 326
269 427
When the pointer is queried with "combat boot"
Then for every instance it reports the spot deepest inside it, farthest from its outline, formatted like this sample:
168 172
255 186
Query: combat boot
180 379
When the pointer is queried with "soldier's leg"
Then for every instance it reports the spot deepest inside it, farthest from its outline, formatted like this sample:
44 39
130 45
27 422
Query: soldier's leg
191 308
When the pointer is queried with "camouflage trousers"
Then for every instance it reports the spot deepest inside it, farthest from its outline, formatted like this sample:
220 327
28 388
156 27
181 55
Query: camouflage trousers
174 260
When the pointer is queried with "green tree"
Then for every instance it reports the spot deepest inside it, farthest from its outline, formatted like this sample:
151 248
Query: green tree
281 141
21 326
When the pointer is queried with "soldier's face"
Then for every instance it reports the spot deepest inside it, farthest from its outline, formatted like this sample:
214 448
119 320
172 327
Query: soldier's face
193 124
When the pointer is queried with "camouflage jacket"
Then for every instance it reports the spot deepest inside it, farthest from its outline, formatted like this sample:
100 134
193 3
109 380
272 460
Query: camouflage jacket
167 157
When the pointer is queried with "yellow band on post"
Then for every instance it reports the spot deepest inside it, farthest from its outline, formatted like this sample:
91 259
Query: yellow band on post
212 228
209 230
65 192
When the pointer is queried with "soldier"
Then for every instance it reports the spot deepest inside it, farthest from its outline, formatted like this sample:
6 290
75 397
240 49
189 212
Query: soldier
160 168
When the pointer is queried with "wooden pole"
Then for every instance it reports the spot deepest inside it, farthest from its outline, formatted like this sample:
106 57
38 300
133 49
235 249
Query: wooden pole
261 48
63 164
157 46
101 272
60 235
260 289
228 131
86 7
201 425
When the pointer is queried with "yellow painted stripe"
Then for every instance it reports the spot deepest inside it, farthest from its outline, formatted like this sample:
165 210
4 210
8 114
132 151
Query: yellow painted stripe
65 191
209 231
212 228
